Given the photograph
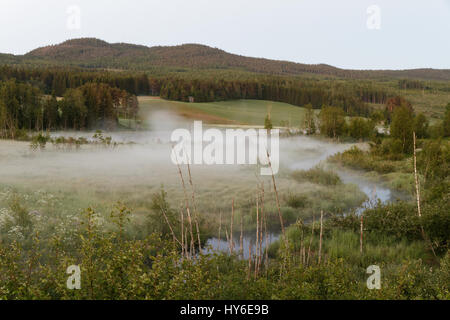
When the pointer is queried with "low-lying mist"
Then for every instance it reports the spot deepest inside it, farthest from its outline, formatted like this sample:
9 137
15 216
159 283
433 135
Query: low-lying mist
140 165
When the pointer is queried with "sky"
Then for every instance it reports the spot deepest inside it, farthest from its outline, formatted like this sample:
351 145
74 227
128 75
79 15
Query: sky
352 34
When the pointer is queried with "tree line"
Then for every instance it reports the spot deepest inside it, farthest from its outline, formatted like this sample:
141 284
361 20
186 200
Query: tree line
351 96
92 105
398 114
292 91
57 80
411 84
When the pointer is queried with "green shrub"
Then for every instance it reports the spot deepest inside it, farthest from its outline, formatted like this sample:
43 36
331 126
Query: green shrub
39 141
317 175
297 201
360 128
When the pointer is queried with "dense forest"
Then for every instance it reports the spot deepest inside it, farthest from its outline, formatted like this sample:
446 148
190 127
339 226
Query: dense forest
115 92
95 53
351 97
92 105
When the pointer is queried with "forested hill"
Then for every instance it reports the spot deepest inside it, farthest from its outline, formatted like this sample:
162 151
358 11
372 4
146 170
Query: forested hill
95 53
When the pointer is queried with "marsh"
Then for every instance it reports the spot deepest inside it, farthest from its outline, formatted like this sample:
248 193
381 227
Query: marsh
60 182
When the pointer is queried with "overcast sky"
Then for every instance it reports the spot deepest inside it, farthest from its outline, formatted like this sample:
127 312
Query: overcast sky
357 34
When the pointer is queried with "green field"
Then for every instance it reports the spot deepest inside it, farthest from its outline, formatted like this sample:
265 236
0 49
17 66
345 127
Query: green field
244 112
431 103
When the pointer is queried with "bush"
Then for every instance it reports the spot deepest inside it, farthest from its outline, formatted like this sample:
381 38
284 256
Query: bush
394 219
39 141
356 158
446 122
332 121
436 223
21 135
114 267
402 128
162 215
317 175
360 128
296 201
289 215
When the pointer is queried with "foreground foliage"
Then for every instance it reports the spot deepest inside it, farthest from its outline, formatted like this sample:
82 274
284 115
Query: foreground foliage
114 266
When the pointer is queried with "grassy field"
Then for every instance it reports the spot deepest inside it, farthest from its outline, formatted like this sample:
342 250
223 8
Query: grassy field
431 103
253 112
243 112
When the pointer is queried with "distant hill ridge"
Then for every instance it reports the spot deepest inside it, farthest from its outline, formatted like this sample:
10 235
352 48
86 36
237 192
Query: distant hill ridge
96 53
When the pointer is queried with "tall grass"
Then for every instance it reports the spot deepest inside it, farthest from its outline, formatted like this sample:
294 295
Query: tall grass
344 244
317 175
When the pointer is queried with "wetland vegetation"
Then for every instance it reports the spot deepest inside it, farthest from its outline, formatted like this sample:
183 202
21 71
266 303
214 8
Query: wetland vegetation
86 179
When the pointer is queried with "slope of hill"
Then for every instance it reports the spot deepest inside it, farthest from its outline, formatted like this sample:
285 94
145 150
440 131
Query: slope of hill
87 49
95 53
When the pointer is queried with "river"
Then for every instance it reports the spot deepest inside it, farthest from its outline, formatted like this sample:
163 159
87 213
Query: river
315 152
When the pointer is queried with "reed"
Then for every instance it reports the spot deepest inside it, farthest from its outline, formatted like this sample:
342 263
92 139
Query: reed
321 236
361 232
311 240
231 227
417 183
260 239
263 224
241 239
302 247
265 231
175 239
195 209
220 224
257 236
249 260
186 206
228 241
186 244
277 197
183 253
283 231
416 177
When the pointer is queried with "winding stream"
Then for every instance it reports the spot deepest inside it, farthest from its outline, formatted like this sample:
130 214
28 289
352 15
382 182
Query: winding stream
316 152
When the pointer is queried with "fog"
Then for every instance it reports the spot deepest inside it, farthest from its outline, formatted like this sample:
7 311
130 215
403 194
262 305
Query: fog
140 164
143 158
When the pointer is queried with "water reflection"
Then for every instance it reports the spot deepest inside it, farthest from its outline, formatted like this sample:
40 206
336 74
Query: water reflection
304 153
215 244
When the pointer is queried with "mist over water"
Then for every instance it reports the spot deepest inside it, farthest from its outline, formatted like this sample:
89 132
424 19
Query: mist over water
143 157
141 163
304 153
